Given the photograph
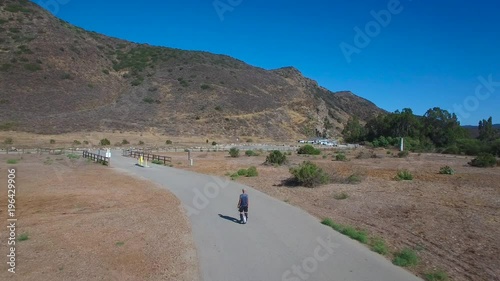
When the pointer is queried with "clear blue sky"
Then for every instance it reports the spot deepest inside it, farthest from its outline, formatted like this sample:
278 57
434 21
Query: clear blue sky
429 53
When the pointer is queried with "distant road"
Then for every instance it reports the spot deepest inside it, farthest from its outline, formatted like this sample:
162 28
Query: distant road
280 242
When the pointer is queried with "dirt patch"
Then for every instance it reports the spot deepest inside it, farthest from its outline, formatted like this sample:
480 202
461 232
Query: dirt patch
86 222
451 221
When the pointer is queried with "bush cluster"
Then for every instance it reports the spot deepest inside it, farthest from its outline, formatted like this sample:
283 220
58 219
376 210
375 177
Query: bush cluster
234 152
276 157
446 170
340 157
309 150
484 160
309 174
404 175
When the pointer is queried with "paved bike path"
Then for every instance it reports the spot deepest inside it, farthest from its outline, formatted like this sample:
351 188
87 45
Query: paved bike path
279 242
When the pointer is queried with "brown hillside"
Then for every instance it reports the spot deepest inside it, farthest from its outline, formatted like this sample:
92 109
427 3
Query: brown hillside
55 78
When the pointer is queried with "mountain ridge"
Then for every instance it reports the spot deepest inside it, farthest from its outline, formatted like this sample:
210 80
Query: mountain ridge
57 78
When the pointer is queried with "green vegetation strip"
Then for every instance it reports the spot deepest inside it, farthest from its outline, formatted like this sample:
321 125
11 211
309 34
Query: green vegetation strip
404 258
350 231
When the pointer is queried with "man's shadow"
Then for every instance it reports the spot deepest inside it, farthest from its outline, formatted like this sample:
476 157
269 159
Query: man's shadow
230 219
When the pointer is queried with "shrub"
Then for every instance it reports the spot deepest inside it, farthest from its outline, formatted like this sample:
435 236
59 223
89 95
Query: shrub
124 141
168 142
85 142
453 149
52 141
355 234
471 146
340 157
214 143
137 82
14 8
327 221
309 150
484 160
234 152
381 142
141 143
309 174
446 170
250 153
403 154
353 179
436 276
404 175
495 147
12 161
66 76
77 142
252 172
23 237
32 67
73 156
205 87
8 141
5 67
249 140
148 100
158 162
242 172
378 245
341 196
405 257
276 157
234 176
104 142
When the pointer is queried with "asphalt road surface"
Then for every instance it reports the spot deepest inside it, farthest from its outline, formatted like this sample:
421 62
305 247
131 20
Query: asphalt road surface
279 242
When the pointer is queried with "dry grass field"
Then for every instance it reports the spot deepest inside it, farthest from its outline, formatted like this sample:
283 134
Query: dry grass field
150 139
452 222
122 232
83 221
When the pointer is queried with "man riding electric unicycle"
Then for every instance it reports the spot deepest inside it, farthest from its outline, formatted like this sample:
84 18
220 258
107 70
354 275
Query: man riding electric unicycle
243 207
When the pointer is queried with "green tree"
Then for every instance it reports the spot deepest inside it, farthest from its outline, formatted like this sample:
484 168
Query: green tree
486 130
406 124
442 127
353 131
